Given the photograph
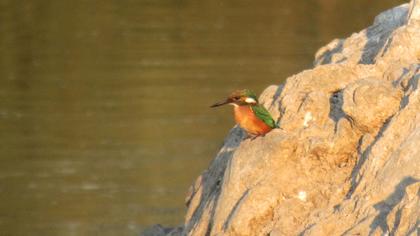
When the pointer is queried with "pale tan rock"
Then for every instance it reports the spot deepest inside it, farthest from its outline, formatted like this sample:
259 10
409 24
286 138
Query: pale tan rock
369 102
346 160
364 47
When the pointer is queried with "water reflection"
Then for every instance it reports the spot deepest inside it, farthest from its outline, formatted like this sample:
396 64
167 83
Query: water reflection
104 113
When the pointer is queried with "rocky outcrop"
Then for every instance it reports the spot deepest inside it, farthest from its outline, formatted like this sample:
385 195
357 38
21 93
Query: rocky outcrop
346 159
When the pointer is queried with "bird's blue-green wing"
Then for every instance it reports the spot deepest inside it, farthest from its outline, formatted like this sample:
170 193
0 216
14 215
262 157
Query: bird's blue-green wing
264 115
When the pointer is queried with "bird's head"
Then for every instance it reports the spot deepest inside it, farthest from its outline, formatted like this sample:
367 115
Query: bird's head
241 97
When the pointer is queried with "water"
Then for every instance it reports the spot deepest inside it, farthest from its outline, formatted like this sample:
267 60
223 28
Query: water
104 118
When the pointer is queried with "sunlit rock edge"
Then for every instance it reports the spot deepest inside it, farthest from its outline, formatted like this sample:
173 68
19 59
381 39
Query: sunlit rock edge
346 160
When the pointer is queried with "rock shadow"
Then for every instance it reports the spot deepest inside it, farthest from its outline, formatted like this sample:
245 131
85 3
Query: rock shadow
232 212
379 35
375 42
211 182
336 107
413 84
276 101
277 94
363 156
386 206
327 55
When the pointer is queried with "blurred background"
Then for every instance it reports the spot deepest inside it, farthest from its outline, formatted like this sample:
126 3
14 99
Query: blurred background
104 105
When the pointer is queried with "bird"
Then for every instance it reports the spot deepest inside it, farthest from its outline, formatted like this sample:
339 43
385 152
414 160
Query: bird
249 114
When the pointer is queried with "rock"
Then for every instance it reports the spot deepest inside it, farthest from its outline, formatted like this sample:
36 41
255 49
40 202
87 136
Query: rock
345 160
159 230
364 47
370 103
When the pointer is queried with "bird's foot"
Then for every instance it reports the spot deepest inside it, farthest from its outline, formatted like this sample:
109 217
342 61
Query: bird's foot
250 137
254 136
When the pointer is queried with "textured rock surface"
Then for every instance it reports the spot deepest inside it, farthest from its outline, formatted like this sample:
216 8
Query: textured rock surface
346 160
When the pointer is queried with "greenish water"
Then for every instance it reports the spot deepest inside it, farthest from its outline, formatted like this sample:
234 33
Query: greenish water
104 118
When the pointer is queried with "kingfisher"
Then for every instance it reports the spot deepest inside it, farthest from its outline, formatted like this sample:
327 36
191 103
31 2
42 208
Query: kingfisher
249 114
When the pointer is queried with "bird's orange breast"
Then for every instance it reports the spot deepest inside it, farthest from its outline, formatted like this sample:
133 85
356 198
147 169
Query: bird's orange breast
246 118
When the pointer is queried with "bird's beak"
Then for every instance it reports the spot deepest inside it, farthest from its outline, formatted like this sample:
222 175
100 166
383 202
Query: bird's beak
218 104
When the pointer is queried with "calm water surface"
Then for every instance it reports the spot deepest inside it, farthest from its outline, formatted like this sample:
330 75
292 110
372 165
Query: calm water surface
104 118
